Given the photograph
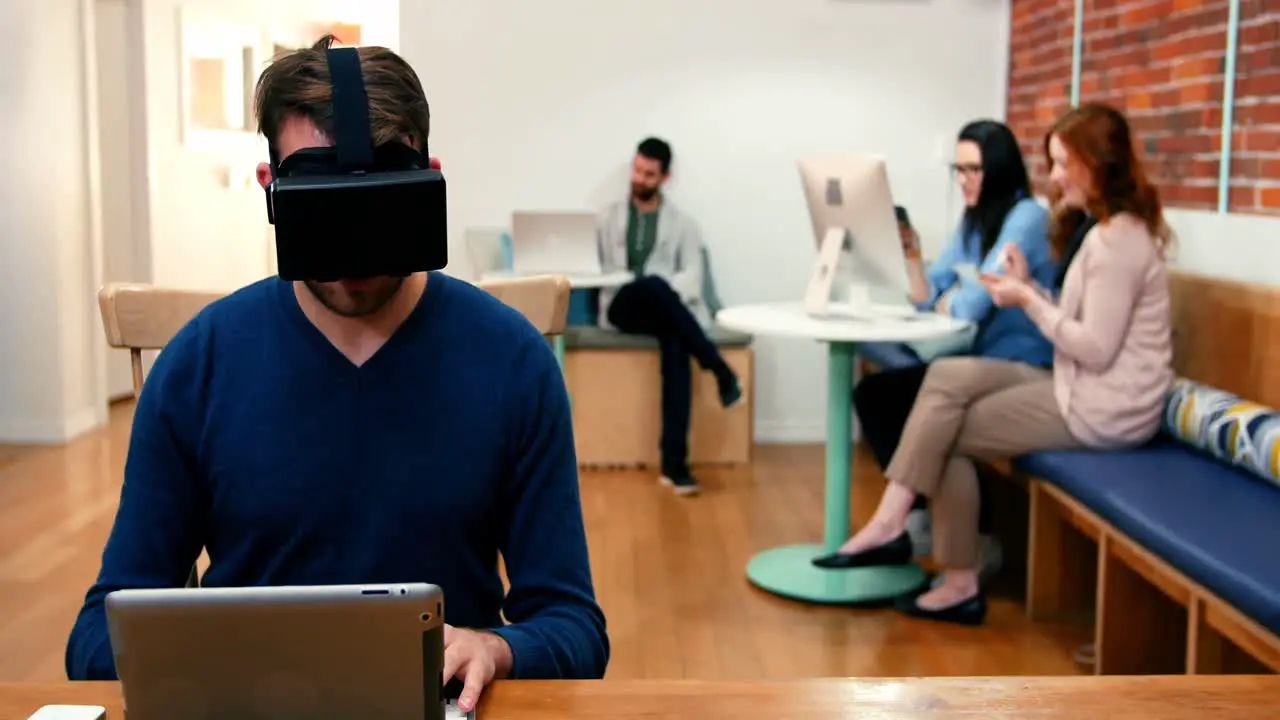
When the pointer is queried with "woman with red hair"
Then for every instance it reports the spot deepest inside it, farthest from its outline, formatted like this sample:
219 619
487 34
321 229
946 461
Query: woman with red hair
1112 367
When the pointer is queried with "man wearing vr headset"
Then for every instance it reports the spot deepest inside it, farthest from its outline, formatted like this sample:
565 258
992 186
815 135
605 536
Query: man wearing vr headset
361 418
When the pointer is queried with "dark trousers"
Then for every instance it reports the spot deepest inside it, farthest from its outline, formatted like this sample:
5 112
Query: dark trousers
649 306
883 401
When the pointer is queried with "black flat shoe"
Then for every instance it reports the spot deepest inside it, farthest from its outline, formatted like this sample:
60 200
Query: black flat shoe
897 551
971 611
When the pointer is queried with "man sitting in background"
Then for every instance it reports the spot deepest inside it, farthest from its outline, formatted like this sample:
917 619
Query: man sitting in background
646 235
369 430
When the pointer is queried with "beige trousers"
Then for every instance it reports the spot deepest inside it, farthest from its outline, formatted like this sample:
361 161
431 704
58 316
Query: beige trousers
971 408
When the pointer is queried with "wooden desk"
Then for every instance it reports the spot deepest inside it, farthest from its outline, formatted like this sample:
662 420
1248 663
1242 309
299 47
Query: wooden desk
1221 697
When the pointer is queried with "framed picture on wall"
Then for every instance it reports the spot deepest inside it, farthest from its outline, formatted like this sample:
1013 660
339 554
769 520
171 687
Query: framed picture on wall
287 38
218 64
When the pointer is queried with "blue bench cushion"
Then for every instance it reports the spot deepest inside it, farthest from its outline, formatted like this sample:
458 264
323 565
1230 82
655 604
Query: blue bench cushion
597 338
1218 525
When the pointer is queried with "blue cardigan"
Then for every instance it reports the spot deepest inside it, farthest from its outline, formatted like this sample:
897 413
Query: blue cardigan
1005 333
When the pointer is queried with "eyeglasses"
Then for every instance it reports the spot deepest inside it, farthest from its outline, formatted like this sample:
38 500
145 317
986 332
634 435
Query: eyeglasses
969 169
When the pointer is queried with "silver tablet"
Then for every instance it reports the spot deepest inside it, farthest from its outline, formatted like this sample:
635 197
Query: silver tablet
357 651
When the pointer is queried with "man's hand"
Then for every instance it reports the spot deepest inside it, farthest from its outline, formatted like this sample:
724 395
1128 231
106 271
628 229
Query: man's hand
1007 291
476 658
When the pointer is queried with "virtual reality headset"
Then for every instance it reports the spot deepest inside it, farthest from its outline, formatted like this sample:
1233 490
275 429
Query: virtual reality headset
353 210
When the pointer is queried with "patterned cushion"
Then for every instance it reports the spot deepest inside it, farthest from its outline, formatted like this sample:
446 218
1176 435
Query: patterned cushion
1235 431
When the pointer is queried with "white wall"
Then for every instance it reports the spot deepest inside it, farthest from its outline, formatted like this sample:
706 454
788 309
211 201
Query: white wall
93 157
1235 246
541 105
122 252
48 358
204 213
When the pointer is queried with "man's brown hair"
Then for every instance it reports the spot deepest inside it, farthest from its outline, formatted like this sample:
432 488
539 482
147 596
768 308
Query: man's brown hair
298 84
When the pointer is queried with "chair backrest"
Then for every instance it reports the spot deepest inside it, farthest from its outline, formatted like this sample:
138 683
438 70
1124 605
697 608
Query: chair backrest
544 299
141 317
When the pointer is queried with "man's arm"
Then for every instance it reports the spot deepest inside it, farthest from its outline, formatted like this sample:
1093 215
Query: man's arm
688 278
158 529
606 241
557 629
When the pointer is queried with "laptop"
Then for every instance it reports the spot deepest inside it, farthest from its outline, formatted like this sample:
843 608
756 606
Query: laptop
284 653
555 243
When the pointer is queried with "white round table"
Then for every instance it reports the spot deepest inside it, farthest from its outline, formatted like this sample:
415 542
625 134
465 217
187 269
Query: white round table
616 278
576 281
788 571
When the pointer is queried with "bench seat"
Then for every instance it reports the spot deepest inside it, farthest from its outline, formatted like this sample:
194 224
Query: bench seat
1217 525
616 385
590 337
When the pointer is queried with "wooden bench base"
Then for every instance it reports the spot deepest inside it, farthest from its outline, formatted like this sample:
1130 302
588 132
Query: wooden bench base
1149 619
617 409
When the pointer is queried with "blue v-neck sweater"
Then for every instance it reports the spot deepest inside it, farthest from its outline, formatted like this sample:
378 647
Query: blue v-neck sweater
256 439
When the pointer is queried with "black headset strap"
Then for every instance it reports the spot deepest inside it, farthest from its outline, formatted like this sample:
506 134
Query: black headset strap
351 131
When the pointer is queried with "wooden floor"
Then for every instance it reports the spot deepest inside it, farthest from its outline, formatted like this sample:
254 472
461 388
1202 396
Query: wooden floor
668 572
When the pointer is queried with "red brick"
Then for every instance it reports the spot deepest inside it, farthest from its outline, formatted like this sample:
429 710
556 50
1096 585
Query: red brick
1198 20
1189 68
1189 196
1142 13
1200 42
1188 144
1200 92
1269 198
1186 5
1096 22
1266 112
1256 140
1262 84
1269 168
1197 119
1242 197
1258 32
1258 59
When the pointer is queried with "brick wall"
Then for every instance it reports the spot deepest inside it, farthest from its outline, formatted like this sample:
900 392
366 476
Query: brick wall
1162 63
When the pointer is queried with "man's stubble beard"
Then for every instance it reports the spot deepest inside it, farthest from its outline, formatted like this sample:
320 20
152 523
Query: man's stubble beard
643 194
359 305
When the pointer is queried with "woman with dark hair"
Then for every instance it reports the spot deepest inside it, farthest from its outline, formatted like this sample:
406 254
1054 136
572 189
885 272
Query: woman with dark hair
1112 362
1000 212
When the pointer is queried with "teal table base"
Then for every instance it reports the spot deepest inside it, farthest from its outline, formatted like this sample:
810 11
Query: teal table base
557 343
788 571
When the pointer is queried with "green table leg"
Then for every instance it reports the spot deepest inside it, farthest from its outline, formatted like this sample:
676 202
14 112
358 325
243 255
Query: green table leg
788 570
558 344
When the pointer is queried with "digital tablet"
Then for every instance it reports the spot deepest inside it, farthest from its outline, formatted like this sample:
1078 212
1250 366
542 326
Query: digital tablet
285 653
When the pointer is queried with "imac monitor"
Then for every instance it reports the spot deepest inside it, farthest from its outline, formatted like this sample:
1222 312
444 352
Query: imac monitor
555 243
860 258
352 651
